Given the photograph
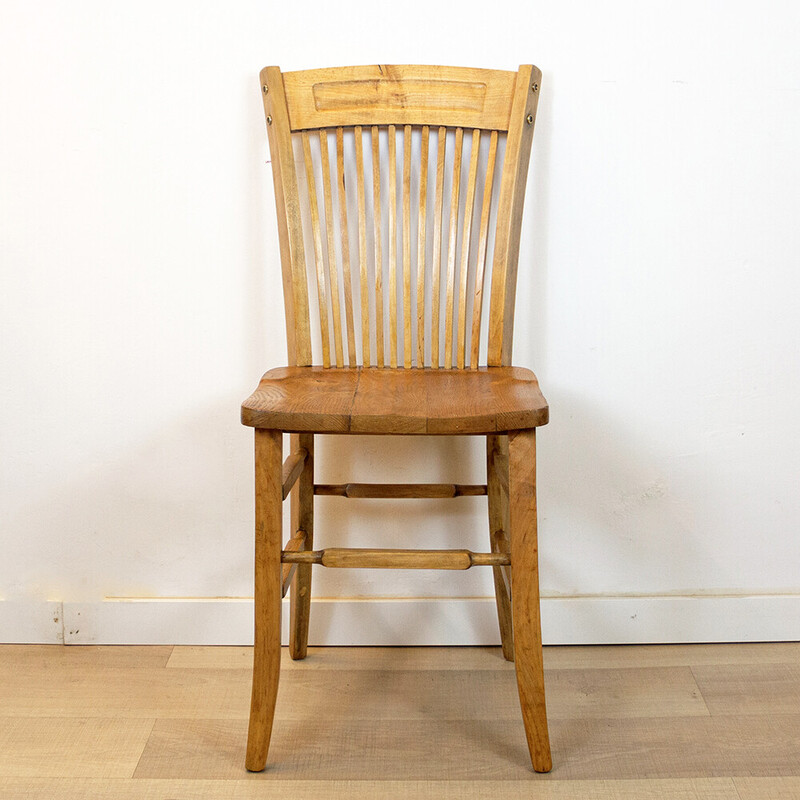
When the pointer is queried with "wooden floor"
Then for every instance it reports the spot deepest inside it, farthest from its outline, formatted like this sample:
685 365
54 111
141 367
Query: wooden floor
627 723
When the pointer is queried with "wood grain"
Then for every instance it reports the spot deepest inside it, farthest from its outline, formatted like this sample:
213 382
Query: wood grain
436 272
297 542
302 519
327 195
497 490
486 400
290 226
767 788
347 277
422 218
526 622
362 245
450 294
466 234
400 490
378 242
440 722
392 221
483 242
562 657
72 747
399 95
268 541
158 789
509 215
322 287
386 558
750 688
292 468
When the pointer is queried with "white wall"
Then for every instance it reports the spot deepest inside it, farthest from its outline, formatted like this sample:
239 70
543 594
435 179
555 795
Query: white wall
657 302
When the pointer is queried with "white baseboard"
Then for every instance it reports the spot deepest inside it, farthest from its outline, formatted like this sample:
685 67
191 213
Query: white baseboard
408 621
31 622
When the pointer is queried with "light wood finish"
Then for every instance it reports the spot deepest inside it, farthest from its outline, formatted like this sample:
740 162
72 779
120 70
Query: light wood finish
450 297
609 658
71 748
400 490
407 247
332 274
266 658
369 558
322 288
302 518
347 278
518 93
767 788
377 789
362 247
297 542
497 490
742 689
290 227
500 401
466 233
399 95
436 279
331 748
525 594
422 219
292 468
483 243
440 722
314 399
392 221
378 241
509 215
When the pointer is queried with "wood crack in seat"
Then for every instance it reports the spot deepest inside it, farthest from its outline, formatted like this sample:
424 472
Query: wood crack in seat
399 192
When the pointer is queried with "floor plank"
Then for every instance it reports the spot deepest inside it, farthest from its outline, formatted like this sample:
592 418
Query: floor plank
768 788
662 721
560 657
348 658
356 694
750 688
146 789
90 747
51 656
669 655
583 749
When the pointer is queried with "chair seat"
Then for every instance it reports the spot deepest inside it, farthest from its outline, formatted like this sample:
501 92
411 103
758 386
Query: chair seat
396 401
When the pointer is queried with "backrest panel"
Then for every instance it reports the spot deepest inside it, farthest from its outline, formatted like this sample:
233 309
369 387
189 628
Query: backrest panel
403 222
399 95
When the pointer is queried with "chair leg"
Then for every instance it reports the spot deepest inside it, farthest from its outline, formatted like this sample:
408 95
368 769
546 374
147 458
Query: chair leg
526 617
267 652
302 501
497 490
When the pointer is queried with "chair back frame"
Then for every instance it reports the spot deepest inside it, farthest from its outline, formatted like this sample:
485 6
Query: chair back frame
321 108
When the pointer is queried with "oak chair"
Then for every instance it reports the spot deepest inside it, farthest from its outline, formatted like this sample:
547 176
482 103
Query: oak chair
399 193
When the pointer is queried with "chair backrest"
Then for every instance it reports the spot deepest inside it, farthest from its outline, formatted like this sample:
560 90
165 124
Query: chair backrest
404 185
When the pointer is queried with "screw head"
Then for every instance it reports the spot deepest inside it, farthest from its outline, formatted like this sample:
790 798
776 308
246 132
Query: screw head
535 87
529 119
269 120
265 88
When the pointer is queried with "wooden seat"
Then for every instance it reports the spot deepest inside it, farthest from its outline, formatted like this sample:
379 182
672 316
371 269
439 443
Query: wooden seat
399 193
318 400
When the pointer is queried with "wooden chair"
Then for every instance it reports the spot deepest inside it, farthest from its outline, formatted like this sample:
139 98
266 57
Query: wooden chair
404 185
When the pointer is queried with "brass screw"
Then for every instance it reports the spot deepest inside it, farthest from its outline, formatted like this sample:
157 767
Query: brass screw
529 119
265 88
269 120
535 87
